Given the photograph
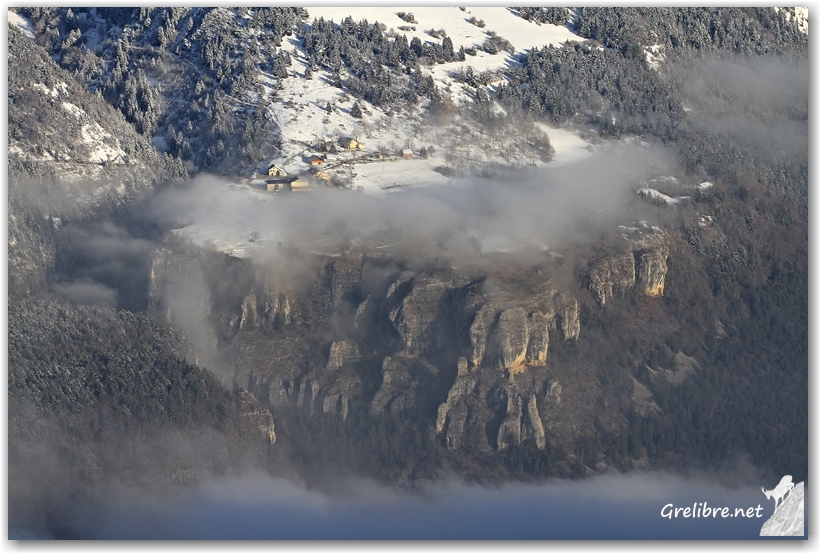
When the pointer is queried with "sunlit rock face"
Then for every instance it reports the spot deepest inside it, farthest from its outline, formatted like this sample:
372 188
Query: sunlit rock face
652 272
566 310
512 337
612 275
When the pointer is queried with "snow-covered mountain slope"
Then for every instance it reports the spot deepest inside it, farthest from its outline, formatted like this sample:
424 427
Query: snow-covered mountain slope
452 145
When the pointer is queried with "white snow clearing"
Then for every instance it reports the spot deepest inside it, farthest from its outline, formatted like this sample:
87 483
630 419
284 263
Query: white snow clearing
105 148
521 33
22 22
661 197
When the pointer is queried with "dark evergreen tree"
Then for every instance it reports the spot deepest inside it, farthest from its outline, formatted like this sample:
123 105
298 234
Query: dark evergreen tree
356 111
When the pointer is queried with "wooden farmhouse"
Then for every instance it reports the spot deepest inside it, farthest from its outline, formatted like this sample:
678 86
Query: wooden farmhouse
315 160
276 171
352 144
407 153
291 183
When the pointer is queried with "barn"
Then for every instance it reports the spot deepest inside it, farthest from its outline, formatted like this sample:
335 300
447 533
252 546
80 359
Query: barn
291 183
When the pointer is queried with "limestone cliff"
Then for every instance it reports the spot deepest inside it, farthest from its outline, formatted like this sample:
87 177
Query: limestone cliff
341 353
612 275
652 272
250 315
418 306
512 338
405 382
539 339
255 416
463 356
569 322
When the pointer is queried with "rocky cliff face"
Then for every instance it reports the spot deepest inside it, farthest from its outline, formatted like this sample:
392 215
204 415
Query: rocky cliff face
645 266
417 310
612 276
465 358
652 272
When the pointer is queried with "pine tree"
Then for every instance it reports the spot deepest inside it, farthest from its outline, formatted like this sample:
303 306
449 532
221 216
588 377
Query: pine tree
308 73
356 111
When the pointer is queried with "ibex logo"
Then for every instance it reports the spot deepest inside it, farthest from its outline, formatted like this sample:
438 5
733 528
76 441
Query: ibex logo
779 493
787 519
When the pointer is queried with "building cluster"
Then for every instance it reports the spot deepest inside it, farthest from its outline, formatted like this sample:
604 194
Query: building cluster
277 179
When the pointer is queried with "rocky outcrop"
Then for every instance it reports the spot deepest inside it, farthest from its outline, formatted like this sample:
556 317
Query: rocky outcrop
788 519
509 433
508 326
463 366
566 311
539 339
337 396
612 275
417 316
254 415
341 353
276 308
534 428
684 367
512 338
452 414
521 422
643 399
250 315
278 392
652 272
554 393
404 387
479 334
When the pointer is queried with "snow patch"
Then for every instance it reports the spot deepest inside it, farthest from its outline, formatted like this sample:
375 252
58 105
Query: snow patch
23 23
801 17
95 136
661 197
76 111
60 87
655 56
705 185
